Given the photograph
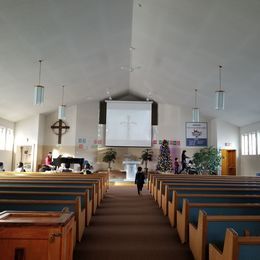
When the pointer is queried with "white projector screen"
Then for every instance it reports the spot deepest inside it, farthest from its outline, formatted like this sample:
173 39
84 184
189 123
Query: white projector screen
128 123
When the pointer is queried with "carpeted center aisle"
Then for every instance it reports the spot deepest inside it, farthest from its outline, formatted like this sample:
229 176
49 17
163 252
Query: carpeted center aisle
128 226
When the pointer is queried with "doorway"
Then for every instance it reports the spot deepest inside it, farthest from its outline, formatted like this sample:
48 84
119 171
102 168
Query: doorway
228 162
25 154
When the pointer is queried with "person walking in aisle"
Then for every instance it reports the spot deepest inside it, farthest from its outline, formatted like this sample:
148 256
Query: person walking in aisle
183 161
139 180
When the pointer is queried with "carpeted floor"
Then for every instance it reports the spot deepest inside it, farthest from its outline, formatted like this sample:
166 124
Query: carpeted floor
128 226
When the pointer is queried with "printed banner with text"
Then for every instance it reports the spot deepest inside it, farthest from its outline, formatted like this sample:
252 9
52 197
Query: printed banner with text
196 134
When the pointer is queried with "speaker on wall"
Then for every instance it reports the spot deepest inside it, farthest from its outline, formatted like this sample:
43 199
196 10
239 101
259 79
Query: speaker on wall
102 112
154 113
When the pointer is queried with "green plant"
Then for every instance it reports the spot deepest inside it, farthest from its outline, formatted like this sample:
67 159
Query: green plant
207 160
109 157
147 155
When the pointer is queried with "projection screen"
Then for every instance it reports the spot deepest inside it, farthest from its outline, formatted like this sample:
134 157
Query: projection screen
128 123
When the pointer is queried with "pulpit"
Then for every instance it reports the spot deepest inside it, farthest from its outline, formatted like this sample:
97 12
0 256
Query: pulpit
131 168
36 235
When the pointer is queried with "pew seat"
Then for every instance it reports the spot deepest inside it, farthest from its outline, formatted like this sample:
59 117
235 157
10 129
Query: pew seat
208 190
23 182
52 188
190 211
236 247
177 201
211 229
49 193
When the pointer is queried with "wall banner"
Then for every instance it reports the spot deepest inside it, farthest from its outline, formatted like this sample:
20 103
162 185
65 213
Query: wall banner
196 134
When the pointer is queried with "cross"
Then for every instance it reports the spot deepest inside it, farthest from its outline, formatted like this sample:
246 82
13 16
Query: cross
128 125
60 125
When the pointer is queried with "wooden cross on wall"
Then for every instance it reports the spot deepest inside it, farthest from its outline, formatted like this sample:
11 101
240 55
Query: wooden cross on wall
60 128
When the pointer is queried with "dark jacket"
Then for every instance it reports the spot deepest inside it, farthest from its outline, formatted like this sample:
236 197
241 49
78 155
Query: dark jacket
139 178
184 157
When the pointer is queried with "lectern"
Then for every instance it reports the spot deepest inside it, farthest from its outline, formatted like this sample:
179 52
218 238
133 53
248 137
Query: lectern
36 235
131 168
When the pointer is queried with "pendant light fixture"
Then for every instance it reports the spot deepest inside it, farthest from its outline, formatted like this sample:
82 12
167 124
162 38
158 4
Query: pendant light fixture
62 107
195 110
220 94
39 89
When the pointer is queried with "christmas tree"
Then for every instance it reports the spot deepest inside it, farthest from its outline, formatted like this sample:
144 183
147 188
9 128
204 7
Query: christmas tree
164 161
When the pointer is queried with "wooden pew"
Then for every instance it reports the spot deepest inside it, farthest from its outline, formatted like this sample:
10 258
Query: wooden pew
189 213
176 202
48 205
153 177
167 188
100 178
211 229
103 177
5 184
34 235
60 184
210 189
161 183
172 202
159 190
46 194
55 190
182 192
154 185
236 247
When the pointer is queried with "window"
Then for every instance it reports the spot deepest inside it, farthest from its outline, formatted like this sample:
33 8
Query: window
2 137
9 139
244 144
252 143
258 143
6 138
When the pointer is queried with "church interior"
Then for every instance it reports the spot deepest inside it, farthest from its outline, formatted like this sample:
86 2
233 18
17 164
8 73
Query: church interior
129 129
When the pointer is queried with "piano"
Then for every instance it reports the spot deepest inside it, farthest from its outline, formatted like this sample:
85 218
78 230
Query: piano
68 160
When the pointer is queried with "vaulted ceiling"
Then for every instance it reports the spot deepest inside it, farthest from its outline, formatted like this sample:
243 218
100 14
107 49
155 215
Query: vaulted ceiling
161 48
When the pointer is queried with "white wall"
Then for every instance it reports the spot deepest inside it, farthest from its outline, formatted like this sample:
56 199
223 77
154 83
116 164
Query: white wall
171 126
172 119
87 128
226 136
83 122
213 133
26 134
6 123
250 164
6 156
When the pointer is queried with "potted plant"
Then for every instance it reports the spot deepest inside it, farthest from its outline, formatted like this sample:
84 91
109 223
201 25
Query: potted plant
109 157
207 160
147 155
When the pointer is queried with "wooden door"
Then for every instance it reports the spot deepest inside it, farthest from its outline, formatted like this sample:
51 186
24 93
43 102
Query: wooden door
228 162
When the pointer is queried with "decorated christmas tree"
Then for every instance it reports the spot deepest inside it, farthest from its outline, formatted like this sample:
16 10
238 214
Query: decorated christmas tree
164 161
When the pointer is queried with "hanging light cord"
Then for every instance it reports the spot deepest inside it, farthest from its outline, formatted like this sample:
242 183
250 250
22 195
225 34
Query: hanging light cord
62 99
220 68
196 98
40 61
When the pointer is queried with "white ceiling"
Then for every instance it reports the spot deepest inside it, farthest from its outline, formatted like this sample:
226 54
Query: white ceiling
84 43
